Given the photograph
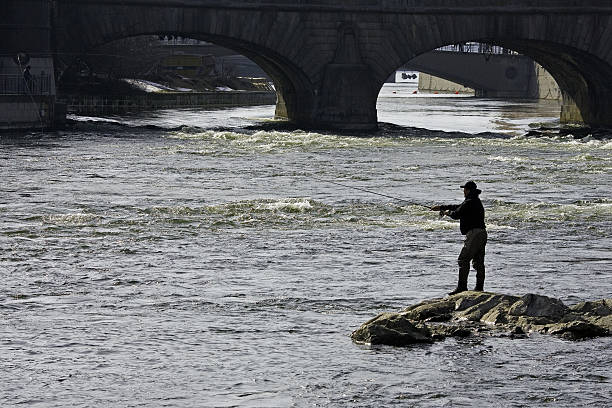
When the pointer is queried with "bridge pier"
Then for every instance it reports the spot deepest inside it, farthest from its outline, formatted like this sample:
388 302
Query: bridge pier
346 97
570 113
347 101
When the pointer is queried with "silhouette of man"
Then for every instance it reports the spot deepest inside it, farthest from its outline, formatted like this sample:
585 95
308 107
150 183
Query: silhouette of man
471 214
27 77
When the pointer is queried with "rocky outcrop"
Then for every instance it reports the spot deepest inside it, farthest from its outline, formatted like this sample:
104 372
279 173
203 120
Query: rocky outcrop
393 329
477 313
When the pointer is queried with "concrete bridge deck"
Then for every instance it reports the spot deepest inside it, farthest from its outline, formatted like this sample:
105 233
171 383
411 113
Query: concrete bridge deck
329 59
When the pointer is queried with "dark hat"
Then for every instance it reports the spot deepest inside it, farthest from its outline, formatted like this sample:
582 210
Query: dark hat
470 185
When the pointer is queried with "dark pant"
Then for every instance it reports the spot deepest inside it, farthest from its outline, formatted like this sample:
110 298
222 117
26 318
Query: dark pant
473 250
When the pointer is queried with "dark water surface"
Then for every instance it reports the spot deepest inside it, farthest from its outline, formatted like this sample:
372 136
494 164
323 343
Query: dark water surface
212 264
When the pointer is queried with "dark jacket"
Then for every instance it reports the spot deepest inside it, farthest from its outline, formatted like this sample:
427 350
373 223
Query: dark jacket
470 212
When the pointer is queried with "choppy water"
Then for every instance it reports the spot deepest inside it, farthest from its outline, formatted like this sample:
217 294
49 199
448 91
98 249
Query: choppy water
212 264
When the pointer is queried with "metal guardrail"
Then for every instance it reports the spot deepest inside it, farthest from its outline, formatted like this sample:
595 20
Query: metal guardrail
18 85
477 48
101 104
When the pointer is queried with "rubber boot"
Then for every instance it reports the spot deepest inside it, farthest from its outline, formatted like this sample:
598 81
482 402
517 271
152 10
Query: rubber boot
462 284
480 278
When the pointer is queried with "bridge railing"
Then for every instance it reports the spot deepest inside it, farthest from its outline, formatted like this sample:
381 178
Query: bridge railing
18 85
477 48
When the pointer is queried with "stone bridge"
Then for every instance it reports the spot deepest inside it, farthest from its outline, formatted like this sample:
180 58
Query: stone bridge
490 75
329 59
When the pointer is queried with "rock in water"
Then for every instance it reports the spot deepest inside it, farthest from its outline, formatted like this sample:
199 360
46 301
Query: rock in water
577 329
393 329
538 306
469 313
597 308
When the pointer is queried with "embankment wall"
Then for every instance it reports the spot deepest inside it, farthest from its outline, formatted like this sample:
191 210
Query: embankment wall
26 112
104 105
430 83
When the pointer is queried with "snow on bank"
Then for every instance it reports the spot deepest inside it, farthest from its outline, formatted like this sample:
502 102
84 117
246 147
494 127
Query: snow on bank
149 86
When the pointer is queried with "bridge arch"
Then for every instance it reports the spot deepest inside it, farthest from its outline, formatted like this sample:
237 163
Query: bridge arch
580 64
583 77
295 95
288 81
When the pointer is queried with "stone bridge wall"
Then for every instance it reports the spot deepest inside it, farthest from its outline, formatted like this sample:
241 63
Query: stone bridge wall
329 60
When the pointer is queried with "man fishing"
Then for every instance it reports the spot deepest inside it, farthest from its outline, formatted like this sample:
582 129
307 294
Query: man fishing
471 214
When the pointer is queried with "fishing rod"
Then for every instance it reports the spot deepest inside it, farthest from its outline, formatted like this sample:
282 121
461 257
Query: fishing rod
374 192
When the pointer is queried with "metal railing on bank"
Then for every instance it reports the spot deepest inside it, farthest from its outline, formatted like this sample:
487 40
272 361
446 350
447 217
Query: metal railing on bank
18 85
117 104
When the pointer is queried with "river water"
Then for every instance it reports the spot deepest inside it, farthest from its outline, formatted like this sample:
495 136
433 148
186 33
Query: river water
205 259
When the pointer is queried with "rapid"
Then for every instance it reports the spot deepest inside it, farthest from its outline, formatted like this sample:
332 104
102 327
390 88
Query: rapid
208 259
